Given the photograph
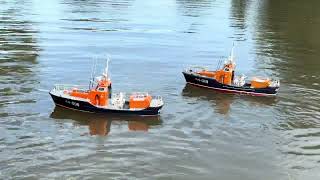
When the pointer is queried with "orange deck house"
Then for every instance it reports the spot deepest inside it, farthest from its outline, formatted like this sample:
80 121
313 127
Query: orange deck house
140 101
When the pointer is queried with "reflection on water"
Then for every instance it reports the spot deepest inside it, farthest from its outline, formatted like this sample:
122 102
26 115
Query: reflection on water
287 47
47 42
193 9
239 17
222 102
101 124
286 41
18 57
80 6
100 14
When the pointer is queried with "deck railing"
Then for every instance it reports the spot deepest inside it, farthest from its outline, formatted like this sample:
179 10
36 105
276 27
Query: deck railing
157 97
62 87
196 68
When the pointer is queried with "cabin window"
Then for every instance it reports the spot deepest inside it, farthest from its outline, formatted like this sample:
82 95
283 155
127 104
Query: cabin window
101 89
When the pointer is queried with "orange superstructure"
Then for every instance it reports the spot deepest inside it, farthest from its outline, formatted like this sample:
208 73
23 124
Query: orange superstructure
96 96
224 75
260 82
140 101
78 93
104 83
206 73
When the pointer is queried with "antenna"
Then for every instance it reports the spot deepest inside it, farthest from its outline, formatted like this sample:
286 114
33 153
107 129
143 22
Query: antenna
91 75
106 70
93 71
231 58
219 64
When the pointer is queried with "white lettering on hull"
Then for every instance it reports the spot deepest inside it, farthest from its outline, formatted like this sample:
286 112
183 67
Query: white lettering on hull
73 103
202 80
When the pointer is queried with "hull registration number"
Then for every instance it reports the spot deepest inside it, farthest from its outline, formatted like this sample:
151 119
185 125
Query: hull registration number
72 103
202 80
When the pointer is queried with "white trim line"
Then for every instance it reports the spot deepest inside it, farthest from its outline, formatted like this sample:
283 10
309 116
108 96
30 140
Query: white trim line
57 104
244 92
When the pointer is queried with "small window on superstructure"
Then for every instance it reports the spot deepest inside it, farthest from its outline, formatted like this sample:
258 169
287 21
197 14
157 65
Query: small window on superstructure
101 89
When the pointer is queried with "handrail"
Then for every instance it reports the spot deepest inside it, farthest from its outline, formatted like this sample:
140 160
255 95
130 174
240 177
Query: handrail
139 93
157 97
69 86
198 67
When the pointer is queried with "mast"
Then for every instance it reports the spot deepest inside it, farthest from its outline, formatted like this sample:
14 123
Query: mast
231 58
92 72
106 70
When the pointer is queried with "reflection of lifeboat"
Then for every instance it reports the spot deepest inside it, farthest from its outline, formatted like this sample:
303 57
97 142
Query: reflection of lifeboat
137 126
99 124
98 98
222 103
99 127
224 79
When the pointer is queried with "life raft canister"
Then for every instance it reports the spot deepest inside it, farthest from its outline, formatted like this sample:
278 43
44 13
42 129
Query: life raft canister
260 82
140 101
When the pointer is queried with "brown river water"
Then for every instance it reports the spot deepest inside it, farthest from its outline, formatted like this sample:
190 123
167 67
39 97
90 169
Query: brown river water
200 134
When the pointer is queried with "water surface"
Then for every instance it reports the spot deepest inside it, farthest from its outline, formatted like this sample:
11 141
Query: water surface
200 134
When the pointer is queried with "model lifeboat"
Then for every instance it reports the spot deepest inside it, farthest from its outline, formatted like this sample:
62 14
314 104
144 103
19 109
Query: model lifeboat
225 80
99 99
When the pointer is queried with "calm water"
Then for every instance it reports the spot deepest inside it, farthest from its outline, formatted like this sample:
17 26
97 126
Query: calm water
200 134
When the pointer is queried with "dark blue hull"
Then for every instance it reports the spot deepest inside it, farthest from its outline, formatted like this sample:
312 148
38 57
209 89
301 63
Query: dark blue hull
87 107
211 83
